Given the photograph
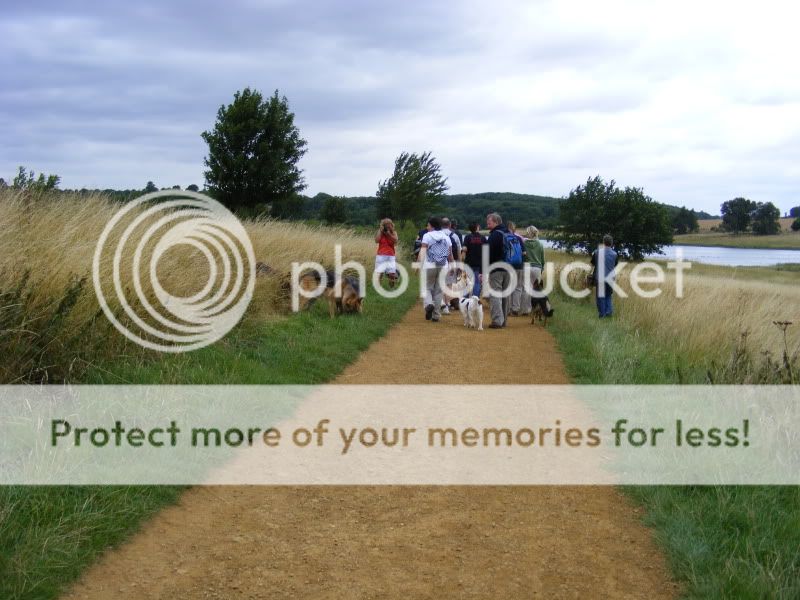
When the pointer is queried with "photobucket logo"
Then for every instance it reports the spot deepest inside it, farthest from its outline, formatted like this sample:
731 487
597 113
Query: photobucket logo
141 234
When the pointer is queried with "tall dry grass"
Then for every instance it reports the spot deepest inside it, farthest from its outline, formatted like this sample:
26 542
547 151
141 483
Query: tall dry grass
724 322
50 319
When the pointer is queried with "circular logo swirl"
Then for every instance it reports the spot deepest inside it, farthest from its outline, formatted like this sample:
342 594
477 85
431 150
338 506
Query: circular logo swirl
141 233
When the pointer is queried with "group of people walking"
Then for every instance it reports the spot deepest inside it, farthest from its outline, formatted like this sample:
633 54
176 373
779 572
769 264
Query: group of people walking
508 246
441 243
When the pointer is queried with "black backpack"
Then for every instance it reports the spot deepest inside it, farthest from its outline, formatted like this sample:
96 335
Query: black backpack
454 241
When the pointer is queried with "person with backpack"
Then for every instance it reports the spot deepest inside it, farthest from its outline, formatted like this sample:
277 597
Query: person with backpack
472 255
455 241
436 254
519 296
501 250
604 261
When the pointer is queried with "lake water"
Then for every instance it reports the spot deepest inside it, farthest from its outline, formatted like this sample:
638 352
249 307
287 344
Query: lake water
731 257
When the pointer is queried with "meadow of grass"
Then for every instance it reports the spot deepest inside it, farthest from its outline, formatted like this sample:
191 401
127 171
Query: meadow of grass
721 541
50 331
722 330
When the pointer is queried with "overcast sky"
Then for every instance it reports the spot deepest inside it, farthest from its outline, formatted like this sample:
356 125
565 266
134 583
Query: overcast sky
697 102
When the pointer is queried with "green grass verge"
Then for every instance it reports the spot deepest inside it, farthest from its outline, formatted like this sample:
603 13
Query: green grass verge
721 541
309 347
48 535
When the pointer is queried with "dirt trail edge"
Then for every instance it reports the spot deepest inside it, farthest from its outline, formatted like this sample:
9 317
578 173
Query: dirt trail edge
398 542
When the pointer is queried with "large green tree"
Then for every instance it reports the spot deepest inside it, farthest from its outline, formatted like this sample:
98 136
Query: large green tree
766 219
253 152
414 190
794 211
737 214
638 225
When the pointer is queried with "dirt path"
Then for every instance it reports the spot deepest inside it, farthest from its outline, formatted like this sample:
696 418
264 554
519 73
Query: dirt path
398 542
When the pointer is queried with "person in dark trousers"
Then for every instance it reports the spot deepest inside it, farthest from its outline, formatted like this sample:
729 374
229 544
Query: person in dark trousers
604 260
472 253
498 278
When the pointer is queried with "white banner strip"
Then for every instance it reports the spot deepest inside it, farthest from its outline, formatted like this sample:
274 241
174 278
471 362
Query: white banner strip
405 435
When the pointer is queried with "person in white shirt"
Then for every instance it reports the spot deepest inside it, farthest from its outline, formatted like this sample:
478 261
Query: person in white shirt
436 254
456 243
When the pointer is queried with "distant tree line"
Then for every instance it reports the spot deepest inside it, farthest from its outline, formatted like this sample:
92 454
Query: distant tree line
541 211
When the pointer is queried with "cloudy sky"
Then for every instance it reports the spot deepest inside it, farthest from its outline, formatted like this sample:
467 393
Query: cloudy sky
697 102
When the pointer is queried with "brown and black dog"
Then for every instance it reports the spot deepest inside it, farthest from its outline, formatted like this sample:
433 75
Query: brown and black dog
540 305
342 293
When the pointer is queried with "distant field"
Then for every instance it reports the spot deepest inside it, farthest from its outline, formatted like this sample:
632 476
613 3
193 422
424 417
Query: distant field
708 224
786 240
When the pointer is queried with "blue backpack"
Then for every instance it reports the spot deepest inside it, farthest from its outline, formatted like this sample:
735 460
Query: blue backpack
512 250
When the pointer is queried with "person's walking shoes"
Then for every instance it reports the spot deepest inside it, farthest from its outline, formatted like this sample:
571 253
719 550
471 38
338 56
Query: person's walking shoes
428 312
495 326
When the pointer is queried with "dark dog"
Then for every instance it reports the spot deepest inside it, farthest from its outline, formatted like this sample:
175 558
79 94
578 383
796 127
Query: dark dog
343 294
540 305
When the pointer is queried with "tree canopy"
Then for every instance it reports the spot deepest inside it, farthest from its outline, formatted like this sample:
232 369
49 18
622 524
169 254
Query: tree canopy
414 190
28 181
685 221
253 151
766 219
638 225
737 214
334 210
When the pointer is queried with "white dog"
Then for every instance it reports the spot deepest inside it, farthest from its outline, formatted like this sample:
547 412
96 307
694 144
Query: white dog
472 309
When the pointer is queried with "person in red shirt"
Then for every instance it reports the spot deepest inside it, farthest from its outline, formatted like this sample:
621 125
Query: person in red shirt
385 261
